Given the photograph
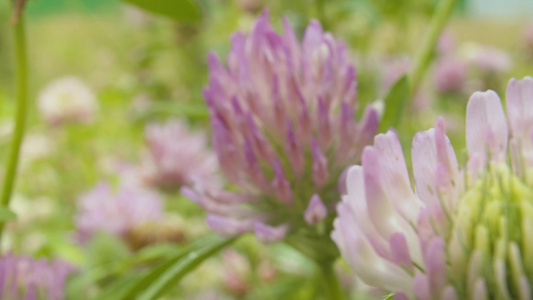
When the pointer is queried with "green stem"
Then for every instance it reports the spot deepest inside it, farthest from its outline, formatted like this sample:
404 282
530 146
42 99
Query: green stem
321 12
21 66
331 281
442 14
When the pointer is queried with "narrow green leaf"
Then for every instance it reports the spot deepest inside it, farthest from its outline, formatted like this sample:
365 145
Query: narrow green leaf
140 285
182 267
121 286
185 11
7 215
395 102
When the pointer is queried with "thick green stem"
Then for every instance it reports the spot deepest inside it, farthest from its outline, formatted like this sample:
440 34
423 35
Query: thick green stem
331 281
21 67
423 58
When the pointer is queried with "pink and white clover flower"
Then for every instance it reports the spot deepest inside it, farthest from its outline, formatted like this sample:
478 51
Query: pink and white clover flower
463 233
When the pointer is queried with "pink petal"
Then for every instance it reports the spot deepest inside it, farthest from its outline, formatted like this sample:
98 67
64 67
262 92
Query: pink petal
229 226
312 37
486 127
356 203
367 264
382 197
435 260
400 296
421 287
389 164
400 251
320 165
316 210
435 165
519 101
269 234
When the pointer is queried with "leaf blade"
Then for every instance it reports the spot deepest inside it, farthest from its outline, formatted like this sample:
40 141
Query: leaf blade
176 272
185 11
143 283
395 102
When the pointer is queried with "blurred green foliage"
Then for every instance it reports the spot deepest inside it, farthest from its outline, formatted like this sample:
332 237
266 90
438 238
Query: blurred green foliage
39 8
147 69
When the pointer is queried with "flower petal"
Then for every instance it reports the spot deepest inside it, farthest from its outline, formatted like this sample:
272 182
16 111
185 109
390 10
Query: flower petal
519 101
486 128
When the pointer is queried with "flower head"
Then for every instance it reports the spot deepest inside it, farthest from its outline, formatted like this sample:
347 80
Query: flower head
463 233
67 100
24 278
528 38
282 115
177 157
118 212
486 58
450 74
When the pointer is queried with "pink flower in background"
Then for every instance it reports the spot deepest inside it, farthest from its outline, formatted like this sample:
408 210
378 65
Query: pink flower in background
528 39
67 100
447 43
282 115
176 156
462 234
487 58
450 74
116 212
237 272
25 278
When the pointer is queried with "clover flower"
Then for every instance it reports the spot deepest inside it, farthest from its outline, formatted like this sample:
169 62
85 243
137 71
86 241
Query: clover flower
117 213
25 278
487 58
527 39
282 115
177 157
67 100
450 74
463 233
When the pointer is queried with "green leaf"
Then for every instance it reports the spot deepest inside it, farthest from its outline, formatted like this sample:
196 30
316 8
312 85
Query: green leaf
119 277
185 11
395 103
121 286
182 267
7 215
169 272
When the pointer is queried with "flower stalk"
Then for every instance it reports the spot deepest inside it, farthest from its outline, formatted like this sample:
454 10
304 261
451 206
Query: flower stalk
331 282
423 58
21 67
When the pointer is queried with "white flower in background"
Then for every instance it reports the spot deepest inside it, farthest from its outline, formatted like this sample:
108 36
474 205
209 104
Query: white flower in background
67 100
36 146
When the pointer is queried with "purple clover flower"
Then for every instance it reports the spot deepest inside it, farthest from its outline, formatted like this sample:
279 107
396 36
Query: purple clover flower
25 278
282 115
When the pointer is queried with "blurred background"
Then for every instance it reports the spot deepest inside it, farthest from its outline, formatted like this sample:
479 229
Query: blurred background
143 68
